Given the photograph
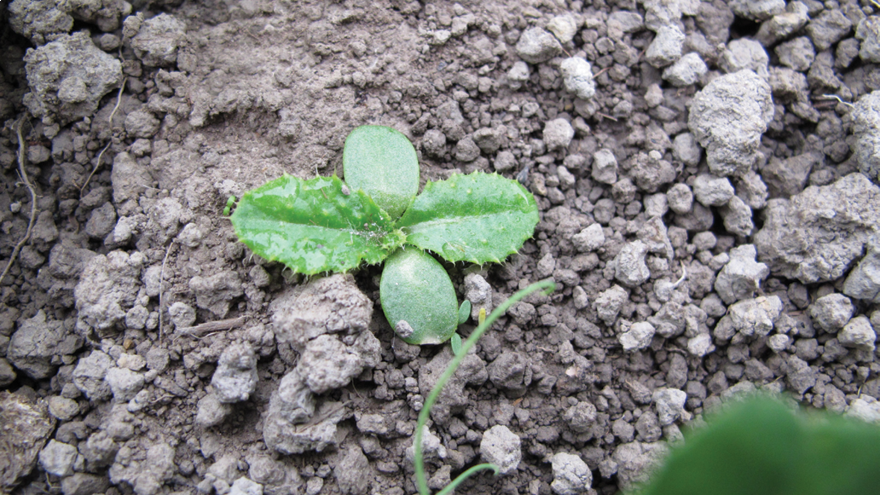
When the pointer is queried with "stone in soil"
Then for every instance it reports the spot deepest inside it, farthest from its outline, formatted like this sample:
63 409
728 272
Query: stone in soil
156 40
866 130
666 47
783 25
501 447
536 45
571 475
57 458
868 32
38 343
68 77
236 375
26 427
147 472
828 28
472 371
817 234
757 10
577 75
749 318
88 376
638 337
328 305
863 281
728 117
40 20
745 53
741 277
686 71
831 312
107 289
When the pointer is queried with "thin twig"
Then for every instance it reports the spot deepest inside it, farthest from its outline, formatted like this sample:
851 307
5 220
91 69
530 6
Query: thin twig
211 326
684 275
600 114
118 101
27 183
162 287
606 69
95 169
835 97
98 163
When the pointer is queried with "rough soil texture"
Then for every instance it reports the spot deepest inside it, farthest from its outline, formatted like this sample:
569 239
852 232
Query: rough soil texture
709 213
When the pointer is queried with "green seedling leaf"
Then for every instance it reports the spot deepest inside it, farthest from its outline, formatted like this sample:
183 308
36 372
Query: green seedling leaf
418 297
312 226
455 343
383 163
230 202
762 448
478 218
464 312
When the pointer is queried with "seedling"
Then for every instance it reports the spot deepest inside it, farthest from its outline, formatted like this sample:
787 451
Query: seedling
324 225
421 480
230 202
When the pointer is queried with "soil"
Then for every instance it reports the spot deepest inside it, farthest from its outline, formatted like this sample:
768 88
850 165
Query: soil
132 299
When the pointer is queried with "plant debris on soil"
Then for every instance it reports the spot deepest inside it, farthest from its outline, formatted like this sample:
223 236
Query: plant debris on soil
707 179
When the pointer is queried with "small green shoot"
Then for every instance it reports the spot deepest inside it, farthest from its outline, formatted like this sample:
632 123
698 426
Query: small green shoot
455 343
324 225
230 202
464 312
421 480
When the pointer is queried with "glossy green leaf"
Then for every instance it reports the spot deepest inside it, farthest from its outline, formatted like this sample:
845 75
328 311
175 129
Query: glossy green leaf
313 226
464 312
761 447
455 343
383 163
477 218
416 289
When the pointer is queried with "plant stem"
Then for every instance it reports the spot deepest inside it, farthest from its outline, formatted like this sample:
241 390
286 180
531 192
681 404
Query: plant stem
465 475
548 286
22 150
110 123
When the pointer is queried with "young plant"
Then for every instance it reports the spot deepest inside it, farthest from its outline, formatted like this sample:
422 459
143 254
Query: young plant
325 225
421 480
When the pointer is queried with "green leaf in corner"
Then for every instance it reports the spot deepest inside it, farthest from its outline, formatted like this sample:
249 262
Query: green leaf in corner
464 312
382 162
455 342
478 218
761 447
314 226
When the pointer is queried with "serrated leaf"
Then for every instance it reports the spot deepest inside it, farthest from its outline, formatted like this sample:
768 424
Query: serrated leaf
313 226
478 218
382 162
